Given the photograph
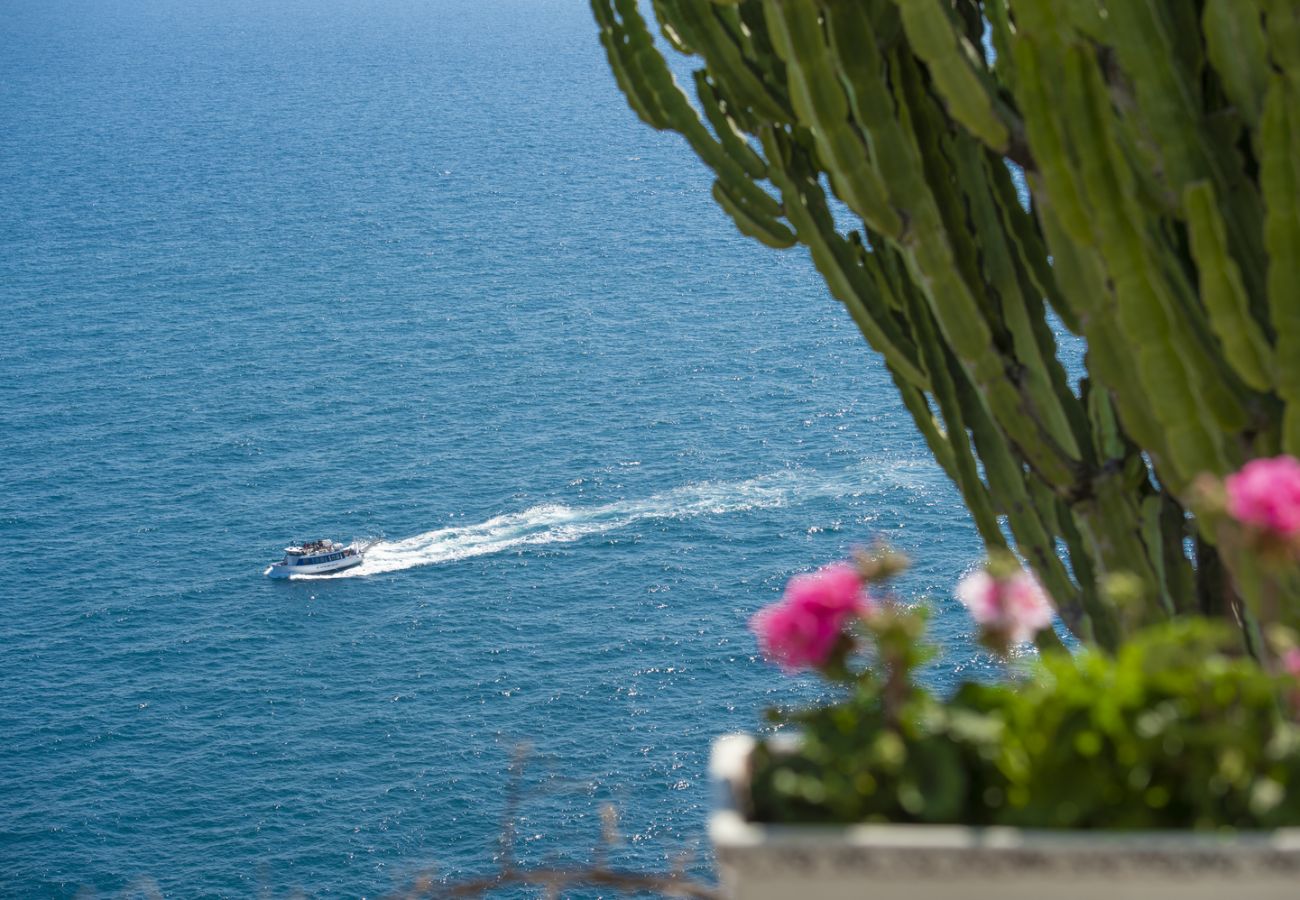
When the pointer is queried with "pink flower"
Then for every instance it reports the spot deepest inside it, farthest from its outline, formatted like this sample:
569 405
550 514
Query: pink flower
801 631
1015 608
1265 494
1291 662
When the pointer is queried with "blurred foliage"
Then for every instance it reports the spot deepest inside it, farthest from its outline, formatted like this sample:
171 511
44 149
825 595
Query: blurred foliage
1178 729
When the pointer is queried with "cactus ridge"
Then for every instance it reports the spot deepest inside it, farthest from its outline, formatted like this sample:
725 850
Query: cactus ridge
950 58
1160 144
1280 175
1223 290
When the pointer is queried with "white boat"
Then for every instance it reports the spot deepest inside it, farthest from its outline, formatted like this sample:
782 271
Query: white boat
322 557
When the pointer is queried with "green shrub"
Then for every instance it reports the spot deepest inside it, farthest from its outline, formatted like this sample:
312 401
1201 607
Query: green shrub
1178 729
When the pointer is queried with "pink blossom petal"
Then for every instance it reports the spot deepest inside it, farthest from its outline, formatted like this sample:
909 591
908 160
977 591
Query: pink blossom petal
1265 494
1291 662
979 593
1015 607
802 630
835 588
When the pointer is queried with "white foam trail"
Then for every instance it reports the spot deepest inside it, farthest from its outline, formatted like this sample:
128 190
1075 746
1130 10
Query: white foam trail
554 523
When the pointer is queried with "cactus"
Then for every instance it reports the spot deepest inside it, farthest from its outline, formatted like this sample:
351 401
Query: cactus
1160 141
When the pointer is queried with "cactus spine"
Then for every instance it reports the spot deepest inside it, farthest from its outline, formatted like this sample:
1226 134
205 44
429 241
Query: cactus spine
1161 146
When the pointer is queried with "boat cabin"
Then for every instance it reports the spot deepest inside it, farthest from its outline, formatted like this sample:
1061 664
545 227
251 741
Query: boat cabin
314 553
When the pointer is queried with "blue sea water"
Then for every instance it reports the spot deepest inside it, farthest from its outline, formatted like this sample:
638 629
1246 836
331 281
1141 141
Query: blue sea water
408 270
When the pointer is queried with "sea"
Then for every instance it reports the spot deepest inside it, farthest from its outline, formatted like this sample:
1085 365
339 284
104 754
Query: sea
411 272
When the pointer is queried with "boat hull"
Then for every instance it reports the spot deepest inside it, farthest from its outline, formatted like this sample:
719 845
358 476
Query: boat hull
280 570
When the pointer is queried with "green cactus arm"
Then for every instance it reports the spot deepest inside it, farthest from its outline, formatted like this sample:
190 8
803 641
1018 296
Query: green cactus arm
1089 17
1085 574
950 57
1021 305
1182 22
936 438
1235 407
891 267
1149 235
1168 100
1153 537
1121 533
1167 360
806 210
1044 31
656 96
1282 18
1179 573
966 473
753 48
1038 64
729 135
740 186
1234 42
859 68
630 48
639 96
961 317
1083 277
752 25
663 15
1031 251
662 103
1112 524
768 231
700 27
1075 414
864 72
1223 292
1003 279
819 103
1108 439
944 210
1045 500
1000 32
629 41
1164 68
854 40
1280 180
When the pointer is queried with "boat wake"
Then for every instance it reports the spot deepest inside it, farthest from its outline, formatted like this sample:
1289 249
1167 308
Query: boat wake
555 523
